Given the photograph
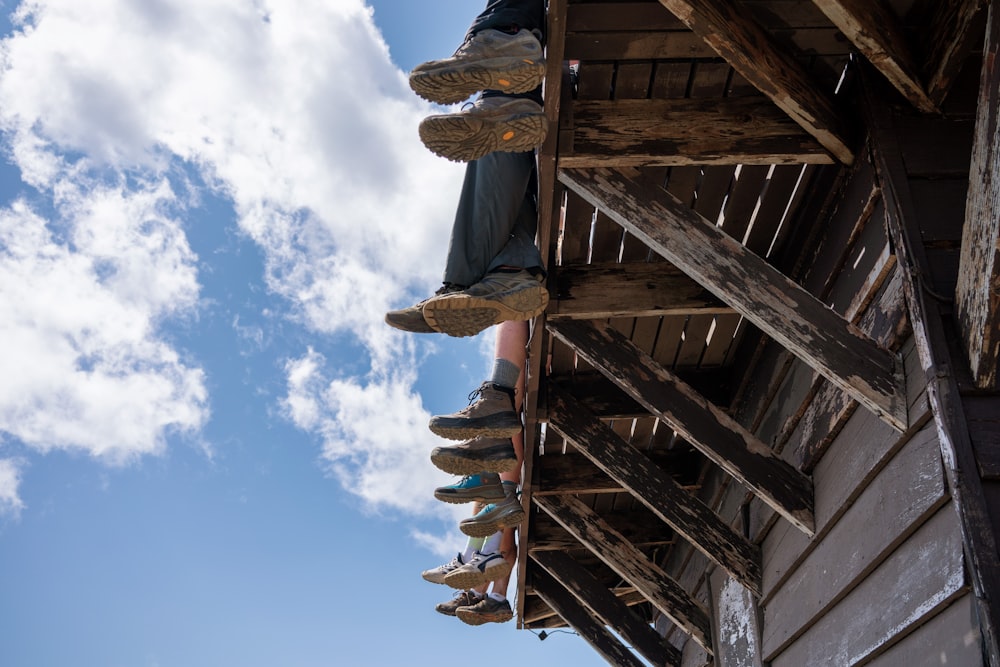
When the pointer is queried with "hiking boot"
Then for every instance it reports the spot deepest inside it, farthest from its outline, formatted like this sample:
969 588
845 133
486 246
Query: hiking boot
482 487
412 319
461 599
491 415
489 60
505 514
481 569
437 574
478 455
500 296
495 123
486 610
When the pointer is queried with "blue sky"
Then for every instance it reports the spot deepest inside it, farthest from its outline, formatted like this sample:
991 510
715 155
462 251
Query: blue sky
212 451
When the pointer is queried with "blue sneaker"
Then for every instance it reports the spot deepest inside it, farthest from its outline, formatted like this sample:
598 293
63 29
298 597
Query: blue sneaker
504 514
484 487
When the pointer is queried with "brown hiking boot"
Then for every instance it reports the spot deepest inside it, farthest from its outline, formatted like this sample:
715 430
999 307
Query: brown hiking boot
491 416
497 123
478 455
489 60
486 610
412 319
498 297
461 599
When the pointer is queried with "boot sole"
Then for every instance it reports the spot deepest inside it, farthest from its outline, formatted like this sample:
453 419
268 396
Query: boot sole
466 137
463 465
465 429
455 499
462 315
487 528
479 618
451 84
466 580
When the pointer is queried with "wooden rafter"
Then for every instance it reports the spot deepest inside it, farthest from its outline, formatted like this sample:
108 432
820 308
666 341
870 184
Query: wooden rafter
585 587
634 289
729 29
631 564
740 130
874 29
576 474
714 433
782 309
683 512
642 529
949 39
583 622
977 295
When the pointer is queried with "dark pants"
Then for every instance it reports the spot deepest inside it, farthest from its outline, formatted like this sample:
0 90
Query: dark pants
529 14
496 219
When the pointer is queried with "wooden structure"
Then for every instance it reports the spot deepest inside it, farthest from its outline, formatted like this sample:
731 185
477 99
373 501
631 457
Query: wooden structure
763 408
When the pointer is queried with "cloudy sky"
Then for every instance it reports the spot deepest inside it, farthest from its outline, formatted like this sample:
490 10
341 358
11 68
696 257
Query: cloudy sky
212 450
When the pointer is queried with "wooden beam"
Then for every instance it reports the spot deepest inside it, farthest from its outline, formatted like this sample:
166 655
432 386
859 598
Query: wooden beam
874 29
687 515
782 309
580 619
713 432
607 401
633 566
640 528
576 474
977 295
535 609
729 29
949 38
631 289
607 607
677 132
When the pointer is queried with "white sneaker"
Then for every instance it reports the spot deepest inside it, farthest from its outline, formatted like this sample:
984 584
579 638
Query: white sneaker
437 574
482 569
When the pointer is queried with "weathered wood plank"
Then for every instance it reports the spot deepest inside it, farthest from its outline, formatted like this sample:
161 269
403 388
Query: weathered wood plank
948 40
633 289
734 35
614 550
777 305
925 574
607 607
656 490
872 27
737 620
950 638
738 130
581 620
576 474
977 297
639 526
535 609
904 494
705 426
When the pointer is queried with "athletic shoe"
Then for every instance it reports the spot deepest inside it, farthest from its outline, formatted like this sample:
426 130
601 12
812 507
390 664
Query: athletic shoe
489 60
477 455
500 296
495 123
437 574
486 610
490 414
490 519
482 487
461 599
412 319
482 569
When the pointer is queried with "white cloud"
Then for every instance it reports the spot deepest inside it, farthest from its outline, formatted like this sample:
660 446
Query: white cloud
291 109
10 480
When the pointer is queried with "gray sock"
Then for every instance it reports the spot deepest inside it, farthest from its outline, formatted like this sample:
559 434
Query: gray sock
505 373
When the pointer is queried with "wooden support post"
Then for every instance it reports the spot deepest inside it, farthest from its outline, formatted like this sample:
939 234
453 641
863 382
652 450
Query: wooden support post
687 515
712 431
948 40
631 564
782 309
977 295
586 588
732 33
584 623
